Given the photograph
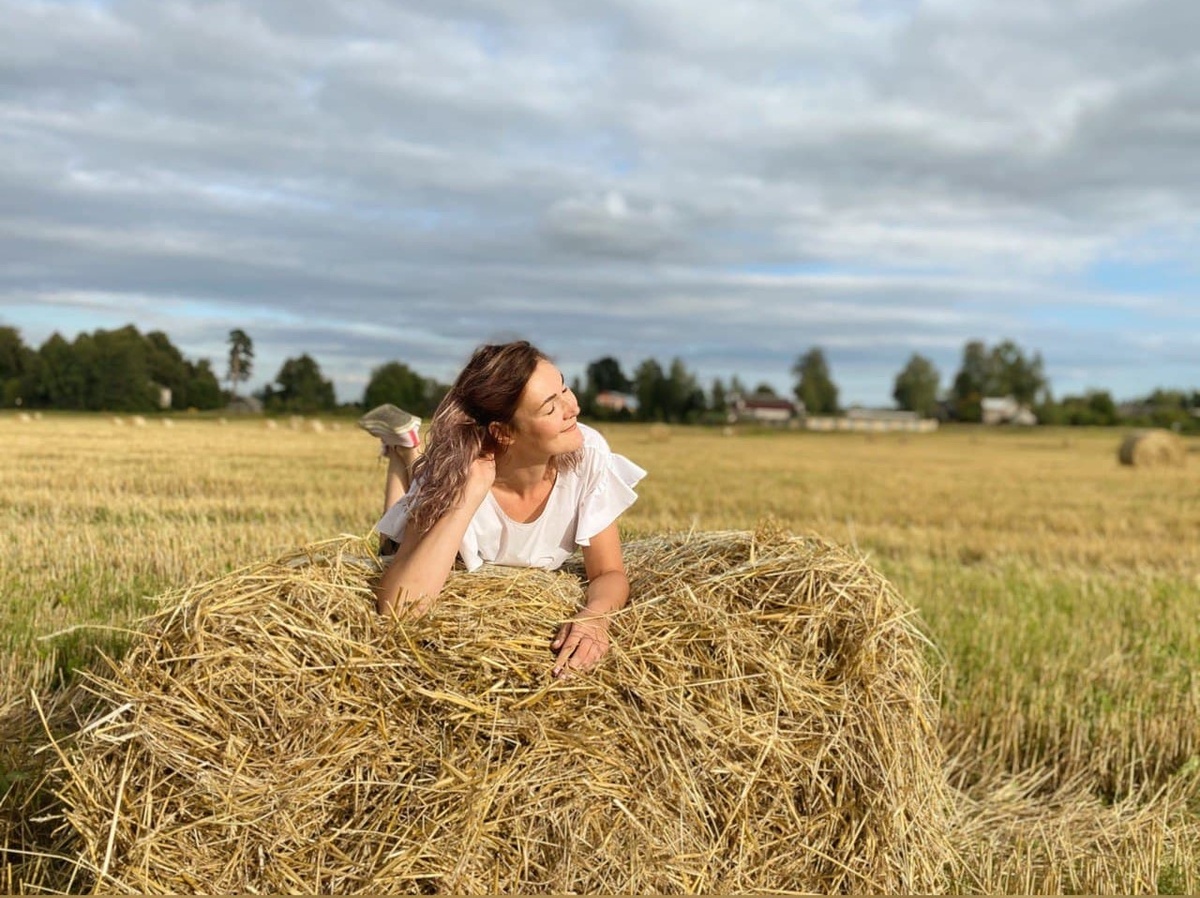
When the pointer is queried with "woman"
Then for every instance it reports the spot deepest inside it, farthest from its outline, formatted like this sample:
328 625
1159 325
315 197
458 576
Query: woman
510 477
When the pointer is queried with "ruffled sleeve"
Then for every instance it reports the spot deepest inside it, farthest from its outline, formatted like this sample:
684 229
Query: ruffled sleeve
395 519
608 490
468 550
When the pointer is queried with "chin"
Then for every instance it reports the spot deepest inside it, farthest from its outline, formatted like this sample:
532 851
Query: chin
571 440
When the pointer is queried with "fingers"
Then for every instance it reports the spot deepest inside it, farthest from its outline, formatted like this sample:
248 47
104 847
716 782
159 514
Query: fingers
580 650
559 638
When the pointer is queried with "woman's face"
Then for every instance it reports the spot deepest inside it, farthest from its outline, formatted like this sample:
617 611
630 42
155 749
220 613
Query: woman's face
545 420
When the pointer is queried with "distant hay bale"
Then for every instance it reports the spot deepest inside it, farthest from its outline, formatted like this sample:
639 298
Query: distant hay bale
1152 448
316 426
295 422
270 424
222 421
138 421
37 416
25 418
118 422
764 721
168 422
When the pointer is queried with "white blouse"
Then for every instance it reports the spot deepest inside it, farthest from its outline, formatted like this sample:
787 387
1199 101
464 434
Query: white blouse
582 503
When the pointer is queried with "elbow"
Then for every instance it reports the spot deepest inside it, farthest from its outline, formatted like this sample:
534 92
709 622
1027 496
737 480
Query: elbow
385 601
395 600
388 591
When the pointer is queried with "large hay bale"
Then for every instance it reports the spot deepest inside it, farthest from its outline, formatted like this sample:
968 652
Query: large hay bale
1151 448
764 722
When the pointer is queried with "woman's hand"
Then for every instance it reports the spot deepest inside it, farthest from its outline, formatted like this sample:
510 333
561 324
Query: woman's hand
580 643
481 476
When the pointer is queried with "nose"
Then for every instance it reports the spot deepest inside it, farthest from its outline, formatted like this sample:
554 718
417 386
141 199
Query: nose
573 408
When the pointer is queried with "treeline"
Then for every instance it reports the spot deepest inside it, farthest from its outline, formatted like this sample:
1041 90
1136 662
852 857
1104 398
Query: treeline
124 370
119 371
1004 370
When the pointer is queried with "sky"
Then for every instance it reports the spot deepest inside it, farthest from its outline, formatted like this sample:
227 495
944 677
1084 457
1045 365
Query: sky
730 183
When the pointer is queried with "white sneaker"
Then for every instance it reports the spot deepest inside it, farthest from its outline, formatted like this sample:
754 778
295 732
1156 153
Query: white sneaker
393 426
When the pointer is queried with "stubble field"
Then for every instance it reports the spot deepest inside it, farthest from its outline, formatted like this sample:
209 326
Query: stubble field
1059 589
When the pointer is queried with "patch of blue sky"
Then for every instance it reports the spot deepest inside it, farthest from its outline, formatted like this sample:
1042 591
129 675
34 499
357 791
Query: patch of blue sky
249 195
822 268
1096 317
793 269
417 218
37 321
1142 278
486 36
888 10
605 150
204 310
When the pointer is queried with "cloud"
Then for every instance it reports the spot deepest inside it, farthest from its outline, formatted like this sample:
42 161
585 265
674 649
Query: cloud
729 183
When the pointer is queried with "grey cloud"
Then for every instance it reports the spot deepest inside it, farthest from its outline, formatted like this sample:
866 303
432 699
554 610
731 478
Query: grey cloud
600 175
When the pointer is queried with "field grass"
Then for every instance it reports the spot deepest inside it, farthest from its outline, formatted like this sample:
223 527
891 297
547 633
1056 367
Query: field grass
1060 589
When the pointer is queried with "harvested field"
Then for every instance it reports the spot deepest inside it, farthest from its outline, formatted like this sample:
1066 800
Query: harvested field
1059 593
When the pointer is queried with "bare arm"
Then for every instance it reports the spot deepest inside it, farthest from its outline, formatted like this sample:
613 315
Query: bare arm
415 577
583 640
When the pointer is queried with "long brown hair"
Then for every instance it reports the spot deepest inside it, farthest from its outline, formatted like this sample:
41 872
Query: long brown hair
487 391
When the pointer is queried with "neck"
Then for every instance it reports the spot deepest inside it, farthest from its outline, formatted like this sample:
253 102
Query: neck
522 474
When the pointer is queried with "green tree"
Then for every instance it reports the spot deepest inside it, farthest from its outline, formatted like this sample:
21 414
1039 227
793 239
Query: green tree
61 381
398 384
203 389
605 375
683 399
1102 407
650 387
241 359
765 389
1009 373
118 376
18 367
1004 371
916 386
1169 408
971 382
814 384
167 367
300 387
1095 408
718 396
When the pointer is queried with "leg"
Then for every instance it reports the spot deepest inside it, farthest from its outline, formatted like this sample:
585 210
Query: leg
399 433
399 473
399 478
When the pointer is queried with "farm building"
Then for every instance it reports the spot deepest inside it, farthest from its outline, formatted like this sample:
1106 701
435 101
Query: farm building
858 413
245 405
763 409
616 402
162 393
874 420
1006 410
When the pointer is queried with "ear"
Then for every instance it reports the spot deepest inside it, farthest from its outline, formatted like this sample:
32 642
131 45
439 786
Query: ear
500 432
